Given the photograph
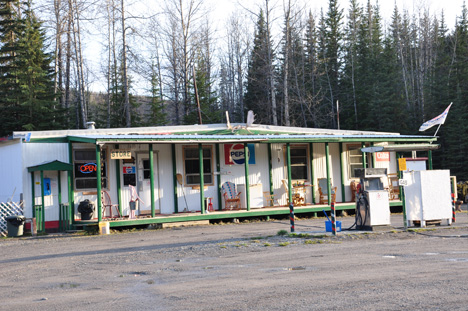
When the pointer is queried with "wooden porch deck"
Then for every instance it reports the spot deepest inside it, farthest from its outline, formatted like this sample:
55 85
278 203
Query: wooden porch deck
224 214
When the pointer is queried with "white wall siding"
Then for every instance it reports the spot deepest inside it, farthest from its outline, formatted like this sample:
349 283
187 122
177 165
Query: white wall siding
335 171
11 185
258 173
39 153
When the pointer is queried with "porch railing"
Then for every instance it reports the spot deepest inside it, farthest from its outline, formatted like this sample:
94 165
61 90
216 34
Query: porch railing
40 223
65 217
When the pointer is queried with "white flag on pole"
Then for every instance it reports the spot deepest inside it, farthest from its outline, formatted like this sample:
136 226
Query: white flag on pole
440 119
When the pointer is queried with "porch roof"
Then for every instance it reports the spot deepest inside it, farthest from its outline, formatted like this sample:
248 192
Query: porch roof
51 166
281 138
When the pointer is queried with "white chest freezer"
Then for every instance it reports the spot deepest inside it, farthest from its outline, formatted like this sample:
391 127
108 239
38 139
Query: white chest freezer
428 196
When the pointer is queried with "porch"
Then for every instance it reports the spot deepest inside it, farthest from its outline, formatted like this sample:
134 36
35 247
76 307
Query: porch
224 214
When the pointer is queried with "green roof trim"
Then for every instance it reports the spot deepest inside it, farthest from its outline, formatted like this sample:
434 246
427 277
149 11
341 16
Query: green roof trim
51 166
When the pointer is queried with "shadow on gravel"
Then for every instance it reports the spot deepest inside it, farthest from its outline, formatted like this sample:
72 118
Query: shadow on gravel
116 250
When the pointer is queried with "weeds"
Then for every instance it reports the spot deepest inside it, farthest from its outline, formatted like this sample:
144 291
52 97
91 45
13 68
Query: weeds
283 244
282 232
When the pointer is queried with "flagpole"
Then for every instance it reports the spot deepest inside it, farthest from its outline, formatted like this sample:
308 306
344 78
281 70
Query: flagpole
437 129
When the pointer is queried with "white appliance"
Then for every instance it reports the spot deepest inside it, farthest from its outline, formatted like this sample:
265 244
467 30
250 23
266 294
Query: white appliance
428 196
256 195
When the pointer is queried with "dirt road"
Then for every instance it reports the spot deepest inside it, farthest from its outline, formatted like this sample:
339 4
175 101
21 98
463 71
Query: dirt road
238 267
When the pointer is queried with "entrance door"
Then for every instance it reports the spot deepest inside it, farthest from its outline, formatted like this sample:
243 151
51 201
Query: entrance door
144 184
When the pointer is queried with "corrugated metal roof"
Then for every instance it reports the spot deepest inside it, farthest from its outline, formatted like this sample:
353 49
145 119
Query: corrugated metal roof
211 129
240 138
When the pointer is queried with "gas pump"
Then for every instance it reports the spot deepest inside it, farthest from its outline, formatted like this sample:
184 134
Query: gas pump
372 205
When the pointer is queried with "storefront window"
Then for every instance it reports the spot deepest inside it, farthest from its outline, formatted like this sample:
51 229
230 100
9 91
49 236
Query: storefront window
85 169
192 165
299 163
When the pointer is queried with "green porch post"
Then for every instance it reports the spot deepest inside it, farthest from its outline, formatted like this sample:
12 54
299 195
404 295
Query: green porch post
270 169
288 164
62 214
327 161
59 187
343 194
312 171
119 186
151 158
218 179
33 195
42 203
402 194
174 180
247 185
291 205
202 179
98 181
364 159
429 156
71 186
373 156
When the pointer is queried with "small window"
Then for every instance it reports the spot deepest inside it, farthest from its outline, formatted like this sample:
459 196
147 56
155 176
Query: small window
192 165
146 169
299 163
85 169
354 160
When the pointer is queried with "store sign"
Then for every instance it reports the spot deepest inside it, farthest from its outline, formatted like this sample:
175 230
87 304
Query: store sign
88 168
234 154
382 156
121 154
402 164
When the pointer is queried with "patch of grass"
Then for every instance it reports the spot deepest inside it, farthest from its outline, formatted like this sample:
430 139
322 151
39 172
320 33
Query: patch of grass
223 246
300 235
241 244
420 230
255 241
267 244
258 238
149 282
282 232
283 244
69 285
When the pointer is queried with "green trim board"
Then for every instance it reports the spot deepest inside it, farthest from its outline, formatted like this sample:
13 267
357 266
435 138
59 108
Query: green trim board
247 184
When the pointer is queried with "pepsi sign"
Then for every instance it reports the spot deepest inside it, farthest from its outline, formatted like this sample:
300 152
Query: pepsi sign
234 154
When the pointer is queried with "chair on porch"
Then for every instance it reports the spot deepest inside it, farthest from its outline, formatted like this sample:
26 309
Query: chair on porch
107 203
354 189
393 188
231 196
323 190
270 199
298 197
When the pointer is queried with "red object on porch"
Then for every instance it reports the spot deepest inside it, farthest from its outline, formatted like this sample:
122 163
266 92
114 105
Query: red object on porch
107 203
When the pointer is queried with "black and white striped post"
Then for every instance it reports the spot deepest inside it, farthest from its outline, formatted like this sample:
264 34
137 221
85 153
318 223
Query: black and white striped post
453 208
333 217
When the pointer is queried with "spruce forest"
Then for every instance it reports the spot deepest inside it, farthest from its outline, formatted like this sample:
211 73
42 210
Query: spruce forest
340 67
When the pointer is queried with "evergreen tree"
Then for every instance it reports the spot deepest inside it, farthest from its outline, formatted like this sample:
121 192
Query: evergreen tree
257 96
157 115
27 94
331 54
210 112
313 94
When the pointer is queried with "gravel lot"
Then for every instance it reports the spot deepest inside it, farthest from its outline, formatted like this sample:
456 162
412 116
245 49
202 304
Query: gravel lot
244 266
